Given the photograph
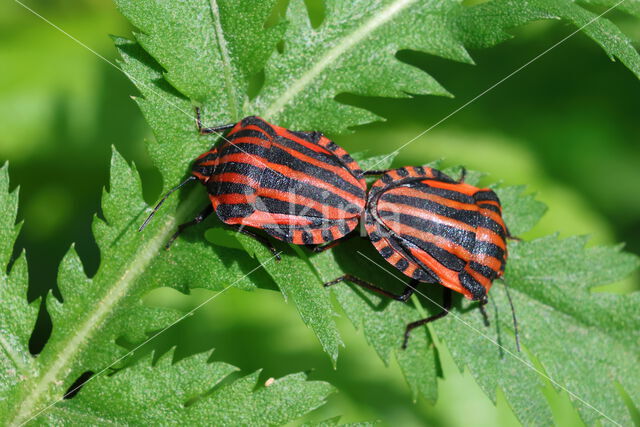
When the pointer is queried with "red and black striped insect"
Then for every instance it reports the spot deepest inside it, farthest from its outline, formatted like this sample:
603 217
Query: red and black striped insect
435 229
299 187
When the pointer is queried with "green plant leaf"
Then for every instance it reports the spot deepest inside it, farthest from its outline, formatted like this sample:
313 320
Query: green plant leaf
17 317
631 7
206 53
98 310
353 51
190 392
228 37
297 280
486 24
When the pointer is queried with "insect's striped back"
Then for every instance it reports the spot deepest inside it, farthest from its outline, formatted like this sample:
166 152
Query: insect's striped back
435 229
299 187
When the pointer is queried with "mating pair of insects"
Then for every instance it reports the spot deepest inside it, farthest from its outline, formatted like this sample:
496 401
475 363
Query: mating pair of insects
302 188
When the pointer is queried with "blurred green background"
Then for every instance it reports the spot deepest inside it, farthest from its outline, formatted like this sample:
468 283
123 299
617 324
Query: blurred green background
567 126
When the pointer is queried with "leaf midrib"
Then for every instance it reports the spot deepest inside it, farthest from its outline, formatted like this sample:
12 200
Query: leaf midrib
347 42
226 58
72 346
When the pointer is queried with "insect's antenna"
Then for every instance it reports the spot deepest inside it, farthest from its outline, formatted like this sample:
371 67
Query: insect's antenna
144 224
513 314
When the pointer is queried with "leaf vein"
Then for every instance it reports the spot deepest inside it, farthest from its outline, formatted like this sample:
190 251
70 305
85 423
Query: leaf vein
332 55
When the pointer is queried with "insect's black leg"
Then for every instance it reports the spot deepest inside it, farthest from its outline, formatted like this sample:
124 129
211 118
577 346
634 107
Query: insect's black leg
206 131
375 172
463 175
446 307
322 248
406 294
512 237
485 317
261 239
198 219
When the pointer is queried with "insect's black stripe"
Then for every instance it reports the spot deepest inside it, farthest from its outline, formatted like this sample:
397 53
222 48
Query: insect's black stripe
317 224
275 206
444 257
247 133
312 137
277 181
487 272
224 187
281 157
486 195
283 233
468 217
472 285
402 264
327 158
258 122
491 207
456 196
274 180
227 211
487 222
487 248
247 148
422 273
211 155
456 235
402 172
245 169
327 235
344 228
331 160
306 238
387 179
386 252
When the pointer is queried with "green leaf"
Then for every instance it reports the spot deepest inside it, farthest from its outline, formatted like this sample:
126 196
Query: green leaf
521 212
206 53
353 51
215 47
297 280
17 317
190 391
228 37
632 7
100 309
486 24
587 343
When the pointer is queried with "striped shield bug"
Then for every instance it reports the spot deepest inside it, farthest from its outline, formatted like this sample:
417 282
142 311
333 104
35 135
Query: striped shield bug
299 187
435 229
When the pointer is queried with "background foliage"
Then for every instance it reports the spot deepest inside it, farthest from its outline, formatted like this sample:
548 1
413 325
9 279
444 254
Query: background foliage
584 131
